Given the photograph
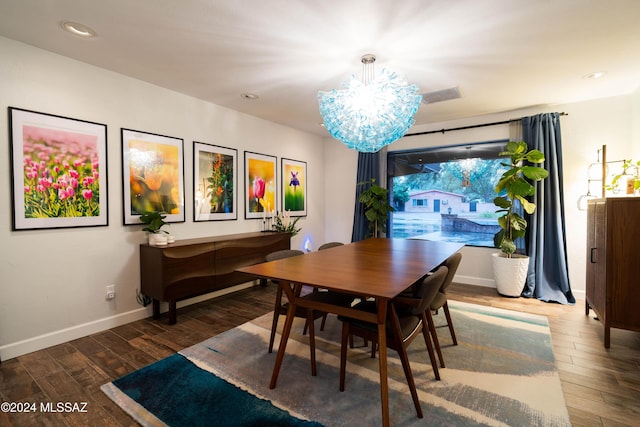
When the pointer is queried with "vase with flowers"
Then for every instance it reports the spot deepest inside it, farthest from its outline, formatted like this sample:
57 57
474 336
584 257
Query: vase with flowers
282 222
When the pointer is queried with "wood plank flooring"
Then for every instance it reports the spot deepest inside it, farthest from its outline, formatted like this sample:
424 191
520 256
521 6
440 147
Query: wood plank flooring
601 387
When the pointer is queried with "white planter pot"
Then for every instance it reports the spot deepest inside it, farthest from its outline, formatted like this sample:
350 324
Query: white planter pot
510 273
157 239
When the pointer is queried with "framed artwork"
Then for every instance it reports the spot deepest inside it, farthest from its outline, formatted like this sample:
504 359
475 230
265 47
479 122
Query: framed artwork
58 171
215 182
294 187
152 176
260 185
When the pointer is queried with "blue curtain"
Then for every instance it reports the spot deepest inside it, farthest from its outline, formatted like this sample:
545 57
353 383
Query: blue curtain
548 276
368 167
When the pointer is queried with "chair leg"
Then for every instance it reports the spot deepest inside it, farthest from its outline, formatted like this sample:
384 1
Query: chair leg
434 335
401 347
343 352
427 341
276 315
402 352
324 320
450 323
312 343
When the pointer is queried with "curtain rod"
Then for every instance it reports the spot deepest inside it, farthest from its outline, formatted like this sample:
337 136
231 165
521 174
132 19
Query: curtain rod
504 122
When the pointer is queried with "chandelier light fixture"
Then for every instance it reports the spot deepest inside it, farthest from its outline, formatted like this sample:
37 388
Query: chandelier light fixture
370 114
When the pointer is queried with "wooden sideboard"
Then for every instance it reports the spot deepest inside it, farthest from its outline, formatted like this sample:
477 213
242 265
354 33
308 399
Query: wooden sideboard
613 270
192 267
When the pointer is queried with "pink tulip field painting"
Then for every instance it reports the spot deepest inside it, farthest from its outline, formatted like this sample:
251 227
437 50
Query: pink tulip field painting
59 171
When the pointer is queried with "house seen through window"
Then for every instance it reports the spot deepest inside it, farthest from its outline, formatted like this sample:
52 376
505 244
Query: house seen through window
446 193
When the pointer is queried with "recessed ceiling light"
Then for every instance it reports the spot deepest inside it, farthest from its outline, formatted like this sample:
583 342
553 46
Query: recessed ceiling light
249 95
595 75
77 29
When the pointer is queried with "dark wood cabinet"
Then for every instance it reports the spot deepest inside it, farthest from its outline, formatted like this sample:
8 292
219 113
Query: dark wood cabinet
192 267
613 266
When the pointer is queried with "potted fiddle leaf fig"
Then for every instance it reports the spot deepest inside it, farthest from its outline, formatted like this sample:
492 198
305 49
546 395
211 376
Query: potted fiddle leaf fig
377 207
514 189
154 222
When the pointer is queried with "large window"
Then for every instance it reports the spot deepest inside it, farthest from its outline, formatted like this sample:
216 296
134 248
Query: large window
445 193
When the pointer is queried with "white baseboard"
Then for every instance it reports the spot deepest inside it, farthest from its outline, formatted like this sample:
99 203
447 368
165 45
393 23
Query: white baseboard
40 342
490 283
11 350
478 281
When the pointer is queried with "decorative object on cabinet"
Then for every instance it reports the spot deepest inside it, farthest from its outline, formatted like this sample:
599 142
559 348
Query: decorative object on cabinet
616 178
283 223
153 175
513 188
58 171
294 187
596 172
260 186
192 267
215 182
154 222
627 180
613 244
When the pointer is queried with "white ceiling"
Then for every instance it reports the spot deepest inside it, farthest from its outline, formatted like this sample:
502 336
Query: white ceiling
502 54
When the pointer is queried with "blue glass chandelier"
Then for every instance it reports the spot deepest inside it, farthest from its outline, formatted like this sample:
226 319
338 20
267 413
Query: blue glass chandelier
371 113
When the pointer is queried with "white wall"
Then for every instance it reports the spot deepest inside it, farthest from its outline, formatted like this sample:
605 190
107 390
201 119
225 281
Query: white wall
587 126
52 282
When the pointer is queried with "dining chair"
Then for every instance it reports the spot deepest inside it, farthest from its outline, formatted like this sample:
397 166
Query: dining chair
341 298
329 245
280 308
440 302
310 316
405 320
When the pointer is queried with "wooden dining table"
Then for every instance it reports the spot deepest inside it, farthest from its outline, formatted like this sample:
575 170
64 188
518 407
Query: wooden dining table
376 268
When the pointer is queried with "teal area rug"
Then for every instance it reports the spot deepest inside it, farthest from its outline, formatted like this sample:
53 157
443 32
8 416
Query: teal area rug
501 373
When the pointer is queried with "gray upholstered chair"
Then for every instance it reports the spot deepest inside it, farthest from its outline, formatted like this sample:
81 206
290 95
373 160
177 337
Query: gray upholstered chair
334 298
280 308
440 302
339 298
329 245
407 317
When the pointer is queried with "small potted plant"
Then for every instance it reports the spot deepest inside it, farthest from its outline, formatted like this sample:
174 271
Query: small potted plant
154 222
629 177
513 188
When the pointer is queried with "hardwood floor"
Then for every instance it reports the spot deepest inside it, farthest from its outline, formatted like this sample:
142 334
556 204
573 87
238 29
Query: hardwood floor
601 387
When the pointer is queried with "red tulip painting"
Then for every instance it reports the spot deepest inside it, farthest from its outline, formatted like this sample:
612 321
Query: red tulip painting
59 171
260 185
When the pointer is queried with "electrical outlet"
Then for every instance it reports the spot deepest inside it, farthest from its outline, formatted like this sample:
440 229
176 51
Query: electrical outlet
111 292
